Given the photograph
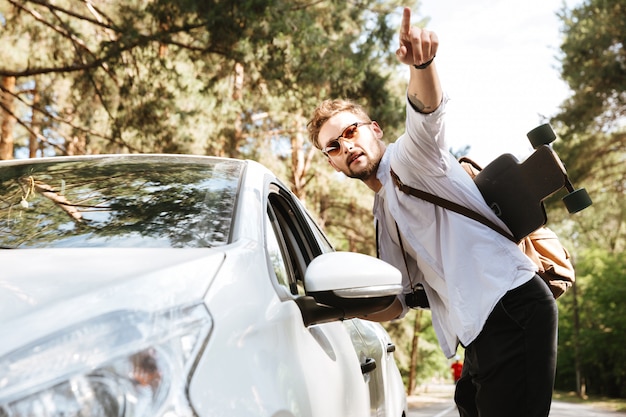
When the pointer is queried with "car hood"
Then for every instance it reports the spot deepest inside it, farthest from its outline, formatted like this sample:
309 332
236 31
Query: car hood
43 290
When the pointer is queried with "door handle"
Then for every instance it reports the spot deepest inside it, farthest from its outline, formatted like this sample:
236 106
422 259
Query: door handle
368 366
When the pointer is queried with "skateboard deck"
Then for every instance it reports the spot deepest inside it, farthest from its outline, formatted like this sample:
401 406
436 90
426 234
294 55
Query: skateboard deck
515 190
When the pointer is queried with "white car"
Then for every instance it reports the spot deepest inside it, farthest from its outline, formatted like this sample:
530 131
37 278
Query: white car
169 285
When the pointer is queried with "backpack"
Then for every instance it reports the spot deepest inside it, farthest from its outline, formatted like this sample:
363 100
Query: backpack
542 245
543 248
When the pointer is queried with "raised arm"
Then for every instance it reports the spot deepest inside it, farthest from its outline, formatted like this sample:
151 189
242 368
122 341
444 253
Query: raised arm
418 48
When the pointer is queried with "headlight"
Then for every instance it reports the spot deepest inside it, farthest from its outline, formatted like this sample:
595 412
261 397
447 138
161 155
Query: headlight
126 363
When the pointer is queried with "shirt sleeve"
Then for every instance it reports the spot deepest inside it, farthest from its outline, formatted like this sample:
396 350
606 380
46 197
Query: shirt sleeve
424 146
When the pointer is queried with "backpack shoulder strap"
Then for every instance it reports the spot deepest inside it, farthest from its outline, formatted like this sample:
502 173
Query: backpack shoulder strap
470 166
450 205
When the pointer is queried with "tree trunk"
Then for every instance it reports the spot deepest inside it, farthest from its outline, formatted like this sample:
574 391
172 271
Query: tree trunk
414 352
300 161
237 95
76 145
35 127
580 381
7 118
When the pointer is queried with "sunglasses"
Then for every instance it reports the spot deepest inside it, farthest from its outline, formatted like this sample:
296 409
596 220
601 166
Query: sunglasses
333 148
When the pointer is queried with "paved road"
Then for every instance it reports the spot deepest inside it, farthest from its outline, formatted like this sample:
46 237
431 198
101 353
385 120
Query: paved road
559 409
438 403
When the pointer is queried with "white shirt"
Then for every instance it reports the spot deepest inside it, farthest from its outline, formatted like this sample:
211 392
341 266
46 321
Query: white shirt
465 267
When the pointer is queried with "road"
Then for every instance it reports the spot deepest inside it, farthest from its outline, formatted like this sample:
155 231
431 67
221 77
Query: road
438 402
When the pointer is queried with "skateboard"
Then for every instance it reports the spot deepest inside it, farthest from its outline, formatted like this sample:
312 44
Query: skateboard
515 190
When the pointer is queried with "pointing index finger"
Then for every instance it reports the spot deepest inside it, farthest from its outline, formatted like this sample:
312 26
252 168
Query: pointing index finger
405 27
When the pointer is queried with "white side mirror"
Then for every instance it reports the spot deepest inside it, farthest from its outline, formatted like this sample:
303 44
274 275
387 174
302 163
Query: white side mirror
342 285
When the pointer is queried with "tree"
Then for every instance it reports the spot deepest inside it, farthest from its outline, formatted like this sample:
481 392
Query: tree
7 105
593 64
418 356
185 77
132 65
601 288
591 122
592 128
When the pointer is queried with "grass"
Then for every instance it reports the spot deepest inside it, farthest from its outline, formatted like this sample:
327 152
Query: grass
611 404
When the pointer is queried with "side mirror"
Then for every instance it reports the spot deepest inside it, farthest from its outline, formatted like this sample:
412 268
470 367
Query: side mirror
342 285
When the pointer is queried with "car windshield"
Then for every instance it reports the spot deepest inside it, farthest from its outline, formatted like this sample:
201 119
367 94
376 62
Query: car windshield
118 202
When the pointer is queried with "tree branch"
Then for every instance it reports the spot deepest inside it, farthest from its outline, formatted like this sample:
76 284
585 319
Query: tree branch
58 119
53 7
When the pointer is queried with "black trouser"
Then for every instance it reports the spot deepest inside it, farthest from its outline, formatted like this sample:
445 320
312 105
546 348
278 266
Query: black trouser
509 368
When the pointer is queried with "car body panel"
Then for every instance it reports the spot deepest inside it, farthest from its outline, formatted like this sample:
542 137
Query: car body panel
44 290
258 358
280 363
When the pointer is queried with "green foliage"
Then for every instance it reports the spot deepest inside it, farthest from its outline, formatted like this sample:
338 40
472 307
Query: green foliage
594 64
591 127
599 339
142 76
431 363
344 208
591 122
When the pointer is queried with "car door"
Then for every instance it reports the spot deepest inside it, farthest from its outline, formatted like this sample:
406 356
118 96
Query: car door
326 351
376 352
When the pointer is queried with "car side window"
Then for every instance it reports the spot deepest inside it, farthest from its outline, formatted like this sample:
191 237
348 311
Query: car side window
297 242
321 238
275 252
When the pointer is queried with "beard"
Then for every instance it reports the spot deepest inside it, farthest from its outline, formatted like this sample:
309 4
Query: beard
373 162
365 173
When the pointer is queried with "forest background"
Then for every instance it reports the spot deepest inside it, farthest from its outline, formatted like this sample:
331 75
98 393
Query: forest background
239 79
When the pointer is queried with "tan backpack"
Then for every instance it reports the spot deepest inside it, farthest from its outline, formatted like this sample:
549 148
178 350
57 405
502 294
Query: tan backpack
543 247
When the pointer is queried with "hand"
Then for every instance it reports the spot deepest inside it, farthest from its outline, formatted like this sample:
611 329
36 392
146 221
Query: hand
417 46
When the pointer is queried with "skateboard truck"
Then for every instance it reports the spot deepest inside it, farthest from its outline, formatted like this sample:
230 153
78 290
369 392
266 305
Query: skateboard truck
515 191
577 199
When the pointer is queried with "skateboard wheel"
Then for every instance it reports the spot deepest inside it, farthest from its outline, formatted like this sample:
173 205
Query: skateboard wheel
577 200
541 135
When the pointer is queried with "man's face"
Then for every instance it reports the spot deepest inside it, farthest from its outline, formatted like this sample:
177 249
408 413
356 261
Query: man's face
353 146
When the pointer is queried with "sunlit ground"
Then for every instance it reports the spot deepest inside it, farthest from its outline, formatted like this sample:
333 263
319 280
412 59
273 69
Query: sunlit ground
611 404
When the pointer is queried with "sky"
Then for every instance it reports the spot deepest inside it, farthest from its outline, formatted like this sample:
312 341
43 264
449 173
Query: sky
497 61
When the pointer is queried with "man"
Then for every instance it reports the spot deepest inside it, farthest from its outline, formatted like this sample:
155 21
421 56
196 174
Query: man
483 292
456 368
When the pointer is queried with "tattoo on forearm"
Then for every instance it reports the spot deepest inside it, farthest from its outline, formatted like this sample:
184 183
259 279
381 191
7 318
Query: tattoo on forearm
419 106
